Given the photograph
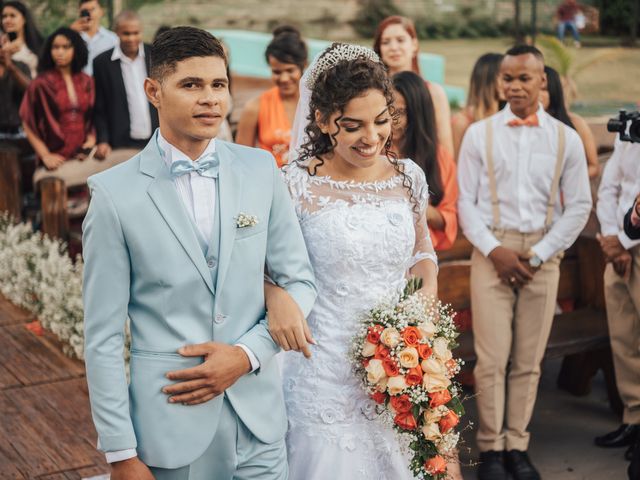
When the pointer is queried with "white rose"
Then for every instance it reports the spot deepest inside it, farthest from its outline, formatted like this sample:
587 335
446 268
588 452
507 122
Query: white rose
433 366
441 349
382 384
435 383
375 371
396 385
409 357
433 415
368 349
431 431
428 329
390 336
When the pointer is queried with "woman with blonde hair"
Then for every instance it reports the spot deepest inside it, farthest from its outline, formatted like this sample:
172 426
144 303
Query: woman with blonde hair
396 42
483 99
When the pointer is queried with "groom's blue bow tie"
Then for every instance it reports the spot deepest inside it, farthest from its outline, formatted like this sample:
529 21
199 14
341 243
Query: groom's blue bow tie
207 166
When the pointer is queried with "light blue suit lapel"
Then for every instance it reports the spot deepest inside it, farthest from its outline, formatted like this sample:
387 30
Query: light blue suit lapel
230 185
165 197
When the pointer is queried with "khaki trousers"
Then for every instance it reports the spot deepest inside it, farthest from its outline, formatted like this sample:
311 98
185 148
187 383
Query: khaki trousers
75 172
510 331
623 306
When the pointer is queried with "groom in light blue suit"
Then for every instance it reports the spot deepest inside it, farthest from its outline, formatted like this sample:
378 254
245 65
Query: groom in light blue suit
177 239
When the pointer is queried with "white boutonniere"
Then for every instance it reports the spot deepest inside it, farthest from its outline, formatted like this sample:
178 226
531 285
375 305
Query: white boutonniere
244 220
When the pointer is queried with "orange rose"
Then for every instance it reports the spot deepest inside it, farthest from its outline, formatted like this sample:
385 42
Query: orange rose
374 334
406 421
449 421
414 376
435 465
390 367
401 403
439 398
411 335
424 351
382 352
379 397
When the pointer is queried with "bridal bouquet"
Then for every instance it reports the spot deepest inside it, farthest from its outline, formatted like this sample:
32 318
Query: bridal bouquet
403 354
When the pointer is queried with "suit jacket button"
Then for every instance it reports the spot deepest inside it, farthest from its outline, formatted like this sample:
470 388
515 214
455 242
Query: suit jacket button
219 318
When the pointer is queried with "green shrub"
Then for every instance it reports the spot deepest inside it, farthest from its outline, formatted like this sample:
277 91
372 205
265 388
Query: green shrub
370 14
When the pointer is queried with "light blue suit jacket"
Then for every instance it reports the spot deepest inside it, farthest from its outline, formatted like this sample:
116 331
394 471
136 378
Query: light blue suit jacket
143 260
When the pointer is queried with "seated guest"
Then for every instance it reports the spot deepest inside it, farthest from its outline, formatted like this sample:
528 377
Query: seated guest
21 37
415 137
618 190
14 79
267 120
98 38
57 109
123 117
552 99
484 97
396 42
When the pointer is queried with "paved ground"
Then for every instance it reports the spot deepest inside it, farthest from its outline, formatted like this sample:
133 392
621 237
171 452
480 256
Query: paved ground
562 429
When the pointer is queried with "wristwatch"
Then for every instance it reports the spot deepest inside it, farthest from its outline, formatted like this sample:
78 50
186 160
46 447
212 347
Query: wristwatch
534 260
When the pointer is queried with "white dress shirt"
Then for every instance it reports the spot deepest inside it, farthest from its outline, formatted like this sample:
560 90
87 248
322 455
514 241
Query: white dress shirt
198 195
618 190
102 41
133 74
524 162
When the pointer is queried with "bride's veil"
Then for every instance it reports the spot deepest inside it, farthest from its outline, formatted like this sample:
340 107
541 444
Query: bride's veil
324 60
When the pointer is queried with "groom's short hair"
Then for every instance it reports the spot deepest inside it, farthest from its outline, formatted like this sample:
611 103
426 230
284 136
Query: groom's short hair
181 43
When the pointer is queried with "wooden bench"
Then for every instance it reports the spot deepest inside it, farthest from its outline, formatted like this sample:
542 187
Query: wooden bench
579 334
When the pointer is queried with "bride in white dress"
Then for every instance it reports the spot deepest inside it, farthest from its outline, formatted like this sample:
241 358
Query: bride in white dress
362 214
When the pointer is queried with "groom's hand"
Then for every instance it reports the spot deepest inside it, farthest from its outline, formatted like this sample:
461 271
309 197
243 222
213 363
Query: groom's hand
222 367
130 469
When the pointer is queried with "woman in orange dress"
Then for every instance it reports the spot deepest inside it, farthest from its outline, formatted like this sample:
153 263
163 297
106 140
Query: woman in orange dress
483 99
266 121
396 42
415 137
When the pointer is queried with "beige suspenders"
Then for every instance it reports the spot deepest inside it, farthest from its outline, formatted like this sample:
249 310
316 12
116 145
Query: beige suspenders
493 189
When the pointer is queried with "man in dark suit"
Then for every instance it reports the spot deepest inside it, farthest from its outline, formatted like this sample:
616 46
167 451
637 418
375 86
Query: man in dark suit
124 119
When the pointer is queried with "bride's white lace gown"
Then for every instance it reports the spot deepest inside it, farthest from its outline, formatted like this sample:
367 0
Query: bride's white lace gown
362 238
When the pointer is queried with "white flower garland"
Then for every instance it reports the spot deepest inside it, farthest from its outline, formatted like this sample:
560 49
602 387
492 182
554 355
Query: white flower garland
37 274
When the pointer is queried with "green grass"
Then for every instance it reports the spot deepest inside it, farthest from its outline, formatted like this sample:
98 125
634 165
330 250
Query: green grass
614 79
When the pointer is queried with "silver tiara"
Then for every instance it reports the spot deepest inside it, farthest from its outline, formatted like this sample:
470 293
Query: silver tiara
336 53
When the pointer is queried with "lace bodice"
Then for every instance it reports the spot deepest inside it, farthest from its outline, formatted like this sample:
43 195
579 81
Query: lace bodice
362 238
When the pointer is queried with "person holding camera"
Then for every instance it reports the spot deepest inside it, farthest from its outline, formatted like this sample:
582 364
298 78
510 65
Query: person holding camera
21 40
618 190
98 38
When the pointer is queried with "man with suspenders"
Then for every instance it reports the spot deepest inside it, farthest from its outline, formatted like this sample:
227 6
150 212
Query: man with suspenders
524 199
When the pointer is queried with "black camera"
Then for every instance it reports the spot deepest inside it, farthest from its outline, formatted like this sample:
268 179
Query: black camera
619 125
85 13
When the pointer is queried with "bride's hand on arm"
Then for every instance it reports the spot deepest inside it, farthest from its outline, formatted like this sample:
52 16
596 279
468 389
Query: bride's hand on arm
287 324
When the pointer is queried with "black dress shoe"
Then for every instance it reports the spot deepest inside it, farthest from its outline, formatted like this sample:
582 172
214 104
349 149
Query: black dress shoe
634 467
492 466
519 465
622 437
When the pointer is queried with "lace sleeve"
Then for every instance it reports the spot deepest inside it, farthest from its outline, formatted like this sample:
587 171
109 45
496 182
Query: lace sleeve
423 249
294 178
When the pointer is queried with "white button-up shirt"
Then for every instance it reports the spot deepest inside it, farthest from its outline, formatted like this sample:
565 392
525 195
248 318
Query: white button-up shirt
619 187
198 195
102 41
524 162
133 74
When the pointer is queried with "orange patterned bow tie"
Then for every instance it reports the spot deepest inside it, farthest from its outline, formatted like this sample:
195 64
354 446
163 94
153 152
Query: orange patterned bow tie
530 121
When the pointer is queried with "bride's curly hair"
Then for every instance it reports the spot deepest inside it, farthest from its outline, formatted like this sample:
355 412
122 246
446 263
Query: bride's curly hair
332 90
